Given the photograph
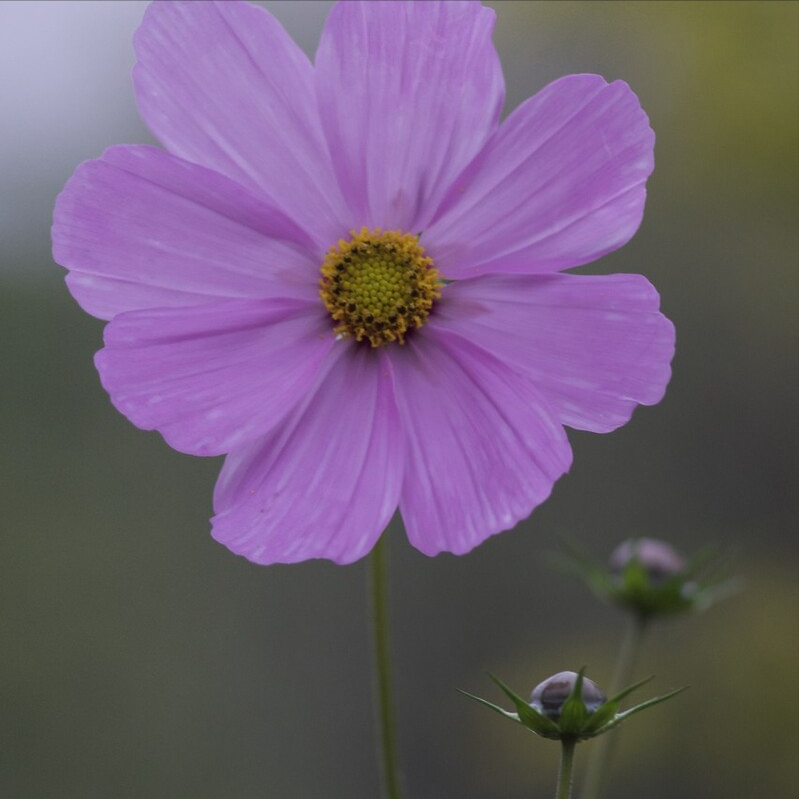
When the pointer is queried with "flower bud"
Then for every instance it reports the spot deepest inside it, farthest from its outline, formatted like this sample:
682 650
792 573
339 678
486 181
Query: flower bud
555 711
658 559
549 696
649 578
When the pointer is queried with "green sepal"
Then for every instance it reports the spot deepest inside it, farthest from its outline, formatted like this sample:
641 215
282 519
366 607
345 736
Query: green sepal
573 714
716 584
709 595
506 713
698 561
528 716
579 562
620 717
625 692
635 578
637 591
607 711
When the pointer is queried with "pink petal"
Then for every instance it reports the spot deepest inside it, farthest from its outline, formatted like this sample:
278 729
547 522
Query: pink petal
139 228
595 346
560 184
483 447
223 85
326 482
408 94
211 378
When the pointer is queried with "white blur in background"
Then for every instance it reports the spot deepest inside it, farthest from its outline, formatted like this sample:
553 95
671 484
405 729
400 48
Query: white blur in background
66 94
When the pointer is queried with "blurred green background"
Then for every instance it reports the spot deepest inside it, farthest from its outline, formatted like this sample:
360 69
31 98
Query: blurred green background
141 659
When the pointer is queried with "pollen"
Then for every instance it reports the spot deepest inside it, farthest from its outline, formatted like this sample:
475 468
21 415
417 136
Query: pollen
379 285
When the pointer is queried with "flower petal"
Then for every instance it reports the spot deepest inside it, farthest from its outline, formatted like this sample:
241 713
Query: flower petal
326 482
560 184
223 85
484 448
408 93
139 228
212 377
595 345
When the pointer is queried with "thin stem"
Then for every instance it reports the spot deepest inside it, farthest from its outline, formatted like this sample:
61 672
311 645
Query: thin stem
384 708
566 773
602 750
630 649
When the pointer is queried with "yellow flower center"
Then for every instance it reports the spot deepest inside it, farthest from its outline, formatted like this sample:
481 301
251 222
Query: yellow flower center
378 285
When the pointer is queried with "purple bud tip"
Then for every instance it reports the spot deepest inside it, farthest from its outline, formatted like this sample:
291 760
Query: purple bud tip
548 697
658 558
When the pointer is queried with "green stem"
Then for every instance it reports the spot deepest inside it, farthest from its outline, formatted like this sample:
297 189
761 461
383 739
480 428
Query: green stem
602 750
384 708
630 649
566 773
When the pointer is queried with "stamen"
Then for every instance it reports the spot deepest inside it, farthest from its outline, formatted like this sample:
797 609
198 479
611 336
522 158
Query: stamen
379 285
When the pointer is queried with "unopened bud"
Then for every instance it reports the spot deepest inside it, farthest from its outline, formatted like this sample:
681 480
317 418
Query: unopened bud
549 696
556 712
658 559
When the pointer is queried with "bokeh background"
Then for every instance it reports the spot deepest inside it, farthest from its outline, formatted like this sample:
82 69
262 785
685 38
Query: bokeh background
141 659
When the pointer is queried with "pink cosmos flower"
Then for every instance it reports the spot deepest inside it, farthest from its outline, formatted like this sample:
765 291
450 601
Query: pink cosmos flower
347 276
